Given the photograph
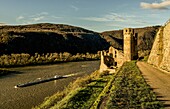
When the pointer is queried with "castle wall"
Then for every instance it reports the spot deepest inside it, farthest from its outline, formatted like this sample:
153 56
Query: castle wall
160 52
117 55
103 66
120 60
165 64
110 60
156 54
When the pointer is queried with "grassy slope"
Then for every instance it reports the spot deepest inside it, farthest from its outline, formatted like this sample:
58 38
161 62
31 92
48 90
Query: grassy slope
81 94
126 88
131 90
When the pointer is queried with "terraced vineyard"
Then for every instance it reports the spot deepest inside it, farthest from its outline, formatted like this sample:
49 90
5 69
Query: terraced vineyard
125 89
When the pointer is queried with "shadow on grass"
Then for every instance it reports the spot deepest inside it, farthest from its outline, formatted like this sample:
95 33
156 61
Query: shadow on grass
99 81
8 73
164 102
166 105
162 99
96 86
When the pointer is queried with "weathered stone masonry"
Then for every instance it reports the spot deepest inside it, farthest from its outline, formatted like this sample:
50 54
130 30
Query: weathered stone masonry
160 53
130 44
115 58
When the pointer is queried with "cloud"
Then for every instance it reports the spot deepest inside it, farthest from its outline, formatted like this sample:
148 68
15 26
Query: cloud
39 17
32 19
118 20
74 7
20 17
116 17
96 19
56 17
109 17
162 5
39 14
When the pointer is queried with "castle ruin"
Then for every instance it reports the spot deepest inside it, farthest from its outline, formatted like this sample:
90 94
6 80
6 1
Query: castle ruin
114 58
130 44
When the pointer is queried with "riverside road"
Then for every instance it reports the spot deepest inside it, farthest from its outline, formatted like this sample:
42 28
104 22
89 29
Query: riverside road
158 80
27 97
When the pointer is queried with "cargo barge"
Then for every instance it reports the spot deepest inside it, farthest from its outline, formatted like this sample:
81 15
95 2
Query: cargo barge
40 81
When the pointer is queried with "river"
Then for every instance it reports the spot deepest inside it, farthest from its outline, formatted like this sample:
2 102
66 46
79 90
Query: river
27 97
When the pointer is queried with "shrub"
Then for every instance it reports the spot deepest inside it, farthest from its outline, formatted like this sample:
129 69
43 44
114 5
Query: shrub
27 59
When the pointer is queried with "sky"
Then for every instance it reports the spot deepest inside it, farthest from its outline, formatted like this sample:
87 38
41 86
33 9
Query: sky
96 15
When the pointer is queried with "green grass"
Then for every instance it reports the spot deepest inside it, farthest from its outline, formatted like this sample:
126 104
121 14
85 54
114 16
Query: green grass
130 90
83 98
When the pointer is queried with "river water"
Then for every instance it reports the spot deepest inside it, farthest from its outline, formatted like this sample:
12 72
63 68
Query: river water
27 97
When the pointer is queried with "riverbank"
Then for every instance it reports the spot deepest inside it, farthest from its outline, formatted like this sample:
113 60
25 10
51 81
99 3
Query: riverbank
23 59
125 88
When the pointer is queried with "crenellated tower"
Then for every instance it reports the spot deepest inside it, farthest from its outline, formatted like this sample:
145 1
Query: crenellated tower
130 44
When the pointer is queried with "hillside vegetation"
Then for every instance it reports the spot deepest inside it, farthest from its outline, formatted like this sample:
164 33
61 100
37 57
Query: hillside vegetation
51 38
23 59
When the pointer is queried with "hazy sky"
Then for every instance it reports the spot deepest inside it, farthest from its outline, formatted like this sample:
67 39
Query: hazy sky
97 15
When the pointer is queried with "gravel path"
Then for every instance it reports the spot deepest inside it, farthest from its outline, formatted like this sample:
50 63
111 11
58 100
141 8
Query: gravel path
158 80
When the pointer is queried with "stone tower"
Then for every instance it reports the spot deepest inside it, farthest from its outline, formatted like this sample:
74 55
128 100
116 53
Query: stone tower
130 44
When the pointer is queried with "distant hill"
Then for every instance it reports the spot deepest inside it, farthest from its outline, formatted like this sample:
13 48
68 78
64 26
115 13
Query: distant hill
48 38
146 37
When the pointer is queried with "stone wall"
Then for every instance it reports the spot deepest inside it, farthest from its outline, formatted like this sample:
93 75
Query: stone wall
103 66
160 53
117 55
156 54
111 59
165 64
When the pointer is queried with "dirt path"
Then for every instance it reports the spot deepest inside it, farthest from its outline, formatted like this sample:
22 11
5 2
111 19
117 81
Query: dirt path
158 80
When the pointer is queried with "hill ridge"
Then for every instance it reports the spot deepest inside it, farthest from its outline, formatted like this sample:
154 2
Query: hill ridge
47 37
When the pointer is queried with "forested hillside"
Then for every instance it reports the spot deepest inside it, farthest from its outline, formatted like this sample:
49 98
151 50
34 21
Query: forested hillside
50 38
